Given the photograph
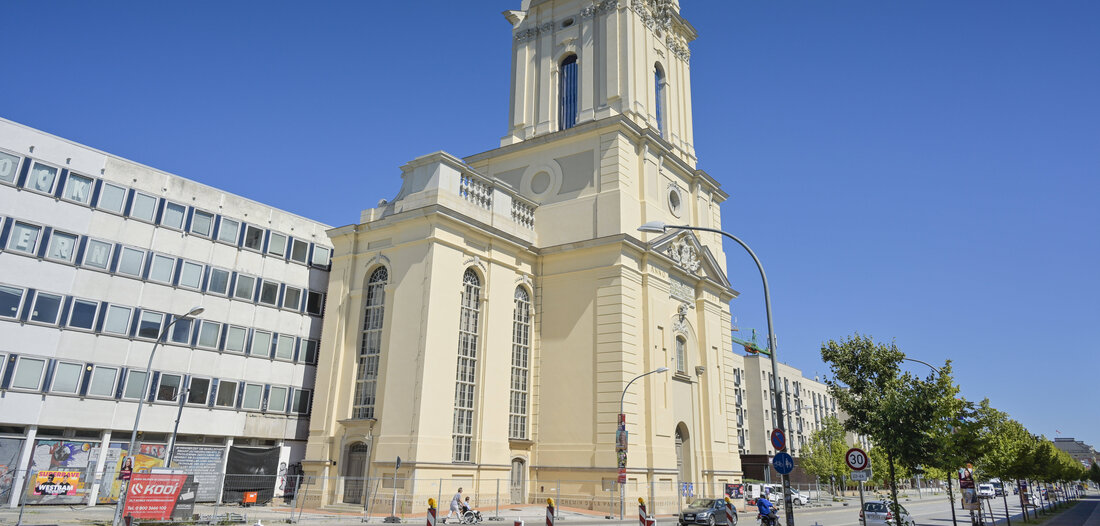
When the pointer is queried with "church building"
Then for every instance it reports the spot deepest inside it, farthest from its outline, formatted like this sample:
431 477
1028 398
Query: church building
487 324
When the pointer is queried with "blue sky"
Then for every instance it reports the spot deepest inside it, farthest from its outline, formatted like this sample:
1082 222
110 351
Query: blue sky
926 172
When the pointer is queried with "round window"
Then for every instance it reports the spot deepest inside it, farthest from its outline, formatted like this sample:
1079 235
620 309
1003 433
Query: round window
540 182
674 201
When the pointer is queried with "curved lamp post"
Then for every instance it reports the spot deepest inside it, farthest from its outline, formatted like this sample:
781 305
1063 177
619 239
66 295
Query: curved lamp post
659 227
622 422
194 312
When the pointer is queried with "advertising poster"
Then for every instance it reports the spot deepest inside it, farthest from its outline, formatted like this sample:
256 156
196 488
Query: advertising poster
735 491
153 496
251 469
55 483
9 460
1024 501
967 490
205 463
149 456
62 456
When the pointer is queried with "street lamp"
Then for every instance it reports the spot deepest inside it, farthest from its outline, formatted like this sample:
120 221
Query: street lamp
622 429
659 227
366 468
194 312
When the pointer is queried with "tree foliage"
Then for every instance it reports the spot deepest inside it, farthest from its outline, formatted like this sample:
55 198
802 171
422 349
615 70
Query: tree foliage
823 455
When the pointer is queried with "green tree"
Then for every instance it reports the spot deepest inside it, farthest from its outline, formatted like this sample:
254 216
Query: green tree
1005 457
823 455
903 414
1094 473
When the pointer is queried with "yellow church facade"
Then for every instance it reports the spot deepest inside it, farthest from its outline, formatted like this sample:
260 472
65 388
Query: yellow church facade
485 324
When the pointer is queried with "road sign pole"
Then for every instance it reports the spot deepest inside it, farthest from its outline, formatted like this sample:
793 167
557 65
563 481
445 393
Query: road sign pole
861 496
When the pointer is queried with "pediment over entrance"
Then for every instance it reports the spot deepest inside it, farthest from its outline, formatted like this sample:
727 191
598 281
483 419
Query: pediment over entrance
690 256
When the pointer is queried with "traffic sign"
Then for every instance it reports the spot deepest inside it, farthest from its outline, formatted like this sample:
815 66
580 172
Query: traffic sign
779 440
783 463
861 476
856 459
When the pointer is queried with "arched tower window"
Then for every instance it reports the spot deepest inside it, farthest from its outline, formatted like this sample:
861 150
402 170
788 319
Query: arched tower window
370 346
521 350
659 88
567 93
681 354
469 311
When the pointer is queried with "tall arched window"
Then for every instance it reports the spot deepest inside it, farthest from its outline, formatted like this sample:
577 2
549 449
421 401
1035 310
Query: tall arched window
659 93
370 346
681 354
521 350
567 93
463 430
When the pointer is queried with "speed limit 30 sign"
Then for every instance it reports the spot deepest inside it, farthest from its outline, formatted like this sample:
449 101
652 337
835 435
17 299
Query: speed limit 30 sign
856 459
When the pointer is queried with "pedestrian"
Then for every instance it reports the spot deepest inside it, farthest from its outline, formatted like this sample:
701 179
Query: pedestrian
456 506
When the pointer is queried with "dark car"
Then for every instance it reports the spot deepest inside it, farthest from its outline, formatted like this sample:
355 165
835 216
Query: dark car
706 511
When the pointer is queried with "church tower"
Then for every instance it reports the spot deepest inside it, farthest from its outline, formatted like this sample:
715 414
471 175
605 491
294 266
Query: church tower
488 322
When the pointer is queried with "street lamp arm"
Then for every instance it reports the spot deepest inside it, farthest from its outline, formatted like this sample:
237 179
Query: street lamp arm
623 397
933 367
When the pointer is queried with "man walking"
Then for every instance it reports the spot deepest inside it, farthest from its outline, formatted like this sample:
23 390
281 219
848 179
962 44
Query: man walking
456 506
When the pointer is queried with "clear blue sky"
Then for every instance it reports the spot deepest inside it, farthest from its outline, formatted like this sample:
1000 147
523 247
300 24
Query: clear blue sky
921 171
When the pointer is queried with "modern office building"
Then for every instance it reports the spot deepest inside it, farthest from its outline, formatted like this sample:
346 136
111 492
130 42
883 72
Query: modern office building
1080 451
485 324
98 256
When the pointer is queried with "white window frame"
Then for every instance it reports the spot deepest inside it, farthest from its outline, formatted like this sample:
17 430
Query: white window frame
281 252
160 383
236 231
33 250
72 250
210 228
88 252
134 203
103 190
29 184
237 285
114 383
217 335
233 391
190 384
286 295
14 168
153 258
41 374
122 258
72 309
282 339
189 324
244 342
266 350
286 398
266 285
305 251
141 322
259 402
317 250
164 216
34 308
143 394
79 377
210 281
129 319
66 194
183 272
244 243
19 304
303 354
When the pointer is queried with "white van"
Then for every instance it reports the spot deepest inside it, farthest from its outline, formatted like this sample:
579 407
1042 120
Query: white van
986 491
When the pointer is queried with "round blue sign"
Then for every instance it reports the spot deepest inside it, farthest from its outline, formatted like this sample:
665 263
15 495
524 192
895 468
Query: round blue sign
779 440
783 463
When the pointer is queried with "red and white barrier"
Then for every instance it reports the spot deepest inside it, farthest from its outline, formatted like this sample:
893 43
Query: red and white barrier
549 512
431 512
729 511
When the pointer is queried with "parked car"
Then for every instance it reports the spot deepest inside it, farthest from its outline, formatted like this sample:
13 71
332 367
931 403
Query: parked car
706 511
881 513
985 491
798 498
998 488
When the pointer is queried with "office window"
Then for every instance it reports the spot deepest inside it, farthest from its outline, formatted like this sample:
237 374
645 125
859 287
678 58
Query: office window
169 387
276 400
284 347
11 298
253 396
202 223
370 344
321 256
181 331
246 287
198 391
118 320
46 308
253 237
229 230
309 351
78 188
28 373
235 339
299 251
209 334
42 178
82 314
97 254
315 303
191 275
24 238
135 385
219 281
130 261
9 167
173 215
292 298
111 198
149 324
465 375
269 293
103 381
162 268
276 244
66 377
567 93
62 247
227 394
261 343
144 207
299 402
